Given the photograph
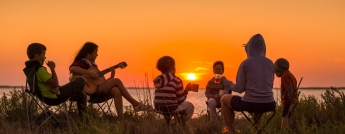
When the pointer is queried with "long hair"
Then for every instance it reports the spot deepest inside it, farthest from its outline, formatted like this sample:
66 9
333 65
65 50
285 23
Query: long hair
88 48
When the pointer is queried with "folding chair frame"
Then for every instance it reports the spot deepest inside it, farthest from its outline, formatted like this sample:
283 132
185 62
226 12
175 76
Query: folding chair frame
42 106
168 117
101 98
255 121
208 114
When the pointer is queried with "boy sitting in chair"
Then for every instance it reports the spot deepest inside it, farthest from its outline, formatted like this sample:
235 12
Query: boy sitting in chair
169 94
48 85
214 90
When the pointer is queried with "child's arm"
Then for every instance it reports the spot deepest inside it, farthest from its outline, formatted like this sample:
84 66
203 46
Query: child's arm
208 91
181 94
53 81
240 81
287 83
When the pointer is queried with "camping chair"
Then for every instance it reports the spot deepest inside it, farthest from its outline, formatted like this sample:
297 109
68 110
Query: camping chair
168 116
98 99
101 101
255 121
35 97
218 112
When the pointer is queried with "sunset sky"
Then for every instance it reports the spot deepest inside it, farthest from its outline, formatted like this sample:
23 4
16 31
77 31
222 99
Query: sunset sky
308 33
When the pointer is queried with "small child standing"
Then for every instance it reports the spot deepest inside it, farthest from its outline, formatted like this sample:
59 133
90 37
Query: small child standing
288 88
169 94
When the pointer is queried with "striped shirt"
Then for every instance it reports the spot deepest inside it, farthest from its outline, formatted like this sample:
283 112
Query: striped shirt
169 92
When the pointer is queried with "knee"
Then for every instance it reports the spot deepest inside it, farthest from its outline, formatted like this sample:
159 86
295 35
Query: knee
212 102
225 98
116 80
115 91
189 104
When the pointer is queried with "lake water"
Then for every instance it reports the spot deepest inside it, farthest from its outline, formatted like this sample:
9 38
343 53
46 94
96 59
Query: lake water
197 98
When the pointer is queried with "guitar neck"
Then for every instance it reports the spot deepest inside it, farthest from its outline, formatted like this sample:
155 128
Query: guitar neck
103 72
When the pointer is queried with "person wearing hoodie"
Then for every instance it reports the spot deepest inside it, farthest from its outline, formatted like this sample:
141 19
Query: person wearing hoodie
288 88
47 85
169 94
255 78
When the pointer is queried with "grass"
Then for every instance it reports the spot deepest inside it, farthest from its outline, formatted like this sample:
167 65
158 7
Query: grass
311 116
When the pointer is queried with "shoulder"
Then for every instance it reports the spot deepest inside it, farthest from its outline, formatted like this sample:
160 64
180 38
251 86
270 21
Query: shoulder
41 70
177 80
211 81
286 77
81 63
43 73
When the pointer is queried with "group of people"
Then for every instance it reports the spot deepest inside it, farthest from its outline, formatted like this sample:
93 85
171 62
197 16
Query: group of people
255 78
51 91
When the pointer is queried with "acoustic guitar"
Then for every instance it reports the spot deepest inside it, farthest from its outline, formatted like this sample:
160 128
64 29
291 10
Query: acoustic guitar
94 83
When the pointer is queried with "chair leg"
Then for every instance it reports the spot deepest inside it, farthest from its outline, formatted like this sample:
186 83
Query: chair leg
256 121
29 112
50 116
219 117
263 127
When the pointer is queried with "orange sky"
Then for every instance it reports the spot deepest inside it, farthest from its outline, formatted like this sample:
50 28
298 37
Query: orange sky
309 33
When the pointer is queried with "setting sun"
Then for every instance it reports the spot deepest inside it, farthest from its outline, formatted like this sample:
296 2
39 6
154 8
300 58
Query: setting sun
191 76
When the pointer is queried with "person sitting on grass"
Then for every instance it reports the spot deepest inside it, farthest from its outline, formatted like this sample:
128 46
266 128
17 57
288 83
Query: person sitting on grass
112 87
214 88
169 94
288 88
48 84
255 77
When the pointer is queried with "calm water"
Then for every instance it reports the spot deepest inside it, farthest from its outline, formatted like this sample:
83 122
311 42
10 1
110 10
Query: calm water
197 98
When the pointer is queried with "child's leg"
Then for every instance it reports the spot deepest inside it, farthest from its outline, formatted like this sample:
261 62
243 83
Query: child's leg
115 93
212 104
188 109
227 112
284 122
109 84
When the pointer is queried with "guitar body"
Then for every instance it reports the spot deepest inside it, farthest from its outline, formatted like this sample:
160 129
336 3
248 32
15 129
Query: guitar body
93 83
92 88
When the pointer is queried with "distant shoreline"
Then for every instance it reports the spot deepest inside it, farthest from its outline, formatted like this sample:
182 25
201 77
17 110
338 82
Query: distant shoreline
7 86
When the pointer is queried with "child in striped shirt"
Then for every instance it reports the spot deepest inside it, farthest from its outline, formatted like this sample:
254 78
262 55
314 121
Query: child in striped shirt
169 94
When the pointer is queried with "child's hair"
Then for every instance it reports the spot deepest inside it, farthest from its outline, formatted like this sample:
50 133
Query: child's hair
165 64
87 48
218 63
35 48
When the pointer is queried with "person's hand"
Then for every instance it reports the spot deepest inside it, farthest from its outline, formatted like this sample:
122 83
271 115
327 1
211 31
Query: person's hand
55 90
93 75
189 87
294 101
216 96
112 75
50 64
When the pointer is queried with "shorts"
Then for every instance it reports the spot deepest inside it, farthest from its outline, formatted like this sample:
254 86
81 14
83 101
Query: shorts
238 104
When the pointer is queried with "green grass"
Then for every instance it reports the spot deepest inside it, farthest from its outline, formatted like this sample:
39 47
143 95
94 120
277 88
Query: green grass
311 116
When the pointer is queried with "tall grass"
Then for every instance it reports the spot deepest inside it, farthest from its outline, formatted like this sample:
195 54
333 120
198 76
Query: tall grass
311 116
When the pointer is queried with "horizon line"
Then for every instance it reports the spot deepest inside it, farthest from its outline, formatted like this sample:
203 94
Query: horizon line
130 87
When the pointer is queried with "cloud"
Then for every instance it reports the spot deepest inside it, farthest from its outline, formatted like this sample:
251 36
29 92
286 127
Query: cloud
201 69
202 62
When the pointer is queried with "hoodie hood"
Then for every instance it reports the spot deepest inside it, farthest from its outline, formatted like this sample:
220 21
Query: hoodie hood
162 80
256 46
32 63
281 65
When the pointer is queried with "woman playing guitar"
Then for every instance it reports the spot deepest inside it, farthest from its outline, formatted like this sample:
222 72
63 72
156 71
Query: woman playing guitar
84 64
